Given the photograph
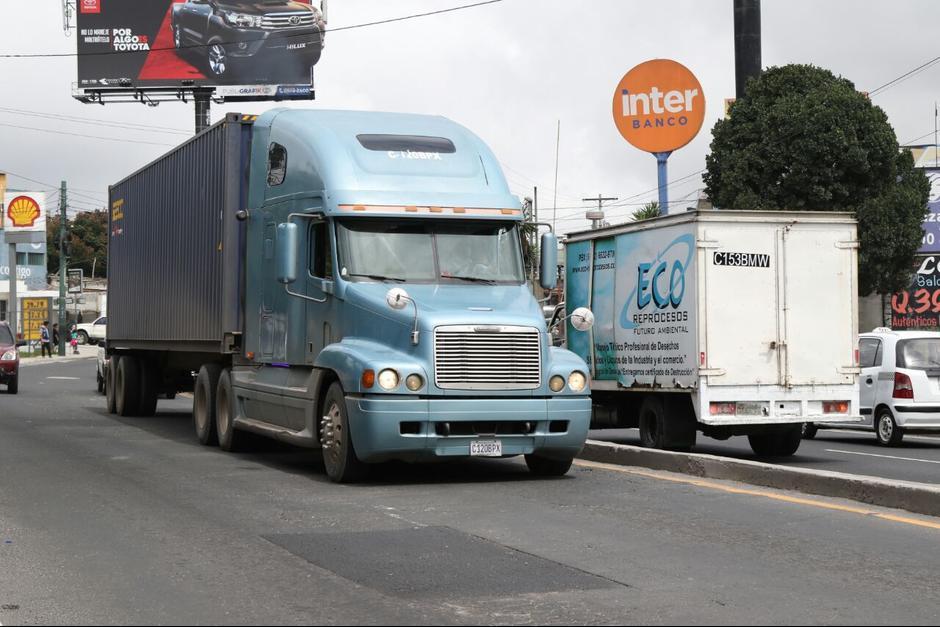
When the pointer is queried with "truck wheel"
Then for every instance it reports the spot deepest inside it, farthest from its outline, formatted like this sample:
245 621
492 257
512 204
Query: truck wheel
339 455
100 383
207 384
887 430
652 423
229 438
127 386
14 385
809 430
149 382
218 61
777 443
547 467
109 393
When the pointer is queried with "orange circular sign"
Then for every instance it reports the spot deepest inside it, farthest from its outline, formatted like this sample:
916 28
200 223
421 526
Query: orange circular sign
23 211
659 106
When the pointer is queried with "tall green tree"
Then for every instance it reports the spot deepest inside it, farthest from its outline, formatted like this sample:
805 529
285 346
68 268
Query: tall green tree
88 243
646 212
804 139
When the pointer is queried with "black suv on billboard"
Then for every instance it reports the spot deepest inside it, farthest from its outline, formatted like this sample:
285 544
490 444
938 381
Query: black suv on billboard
262 40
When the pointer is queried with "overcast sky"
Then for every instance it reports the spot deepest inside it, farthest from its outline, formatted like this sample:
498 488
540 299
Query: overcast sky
509 71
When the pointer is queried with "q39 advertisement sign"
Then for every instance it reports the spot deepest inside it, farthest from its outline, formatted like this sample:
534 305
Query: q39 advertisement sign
640 286
918 307
243 48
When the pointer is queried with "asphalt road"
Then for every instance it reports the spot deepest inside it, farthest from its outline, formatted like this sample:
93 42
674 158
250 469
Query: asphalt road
855 452
106 520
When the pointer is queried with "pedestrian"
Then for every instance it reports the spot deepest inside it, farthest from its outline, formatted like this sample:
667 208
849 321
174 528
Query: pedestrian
73 334
45 339
55 338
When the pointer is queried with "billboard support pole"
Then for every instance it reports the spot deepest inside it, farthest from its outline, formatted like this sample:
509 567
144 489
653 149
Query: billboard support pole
202 99
63 204
662 176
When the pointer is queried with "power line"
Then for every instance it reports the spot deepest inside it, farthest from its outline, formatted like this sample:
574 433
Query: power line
903 77
112 139
413 16
83 120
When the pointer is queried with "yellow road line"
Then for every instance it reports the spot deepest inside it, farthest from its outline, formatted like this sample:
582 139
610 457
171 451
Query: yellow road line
701 483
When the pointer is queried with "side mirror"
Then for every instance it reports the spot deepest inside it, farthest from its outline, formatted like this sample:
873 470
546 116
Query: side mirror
287 246
548 261
582 319
397 298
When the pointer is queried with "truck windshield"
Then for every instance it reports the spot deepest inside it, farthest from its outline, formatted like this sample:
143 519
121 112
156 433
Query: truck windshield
430 252
919 354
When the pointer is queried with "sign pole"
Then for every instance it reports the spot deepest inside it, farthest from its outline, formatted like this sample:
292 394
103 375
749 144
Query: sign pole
13 296
201 99
663 178
63 204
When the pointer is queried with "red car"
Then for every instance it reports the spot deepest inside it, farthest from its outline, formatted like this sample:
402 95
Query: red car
9 359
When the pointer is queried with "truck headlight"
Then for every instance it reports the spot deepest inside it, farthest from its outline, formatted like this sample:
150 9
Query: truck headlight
243 21
414 382
9 356
577 381
388 379
556 383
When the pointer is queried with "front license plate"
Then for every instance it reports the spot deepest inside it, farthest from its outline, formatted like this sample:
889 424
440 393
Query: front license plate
486 448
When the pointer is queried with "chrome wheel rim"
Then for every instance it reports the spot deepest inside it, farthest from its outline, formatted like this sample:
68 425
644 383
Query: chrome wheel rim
223 414
199 411
331 435
885 428
217 59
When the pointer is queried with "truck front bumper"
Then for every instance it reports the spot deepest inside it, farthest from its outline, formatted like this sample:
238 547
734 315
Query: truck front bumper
412 429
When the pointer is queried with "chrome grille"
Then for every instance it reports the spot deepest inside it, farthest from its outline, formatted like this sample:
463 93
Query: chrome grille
288 20
484 357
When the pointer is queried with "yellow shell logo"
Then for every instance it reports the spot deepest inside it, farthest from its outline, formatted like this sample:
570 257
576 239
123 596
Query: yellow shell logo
23 211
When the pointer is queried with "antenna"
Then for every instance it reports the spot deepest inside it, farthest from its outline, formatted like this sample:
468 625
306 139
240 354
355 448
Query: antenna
68 12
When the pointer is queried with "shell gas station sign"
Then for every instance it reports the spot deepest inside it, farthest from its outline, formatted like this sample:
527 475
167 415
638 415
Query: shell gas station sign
659 107
23 212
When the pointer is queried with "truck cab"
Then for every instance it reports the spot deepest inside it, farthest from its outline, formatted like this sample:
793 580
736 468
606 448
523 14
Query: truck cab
386 309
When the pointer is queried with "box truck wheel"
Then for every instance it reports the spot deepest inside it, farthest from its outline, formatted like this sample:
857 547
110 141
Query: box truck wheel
777 443
809 430
207 384
229 437
127 386
652 423
339 455
547 467
109 373
149 382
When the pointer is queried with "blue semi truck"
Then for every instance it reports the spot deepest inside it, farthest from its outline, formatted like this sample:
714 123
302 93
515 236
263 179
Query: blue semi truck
348 281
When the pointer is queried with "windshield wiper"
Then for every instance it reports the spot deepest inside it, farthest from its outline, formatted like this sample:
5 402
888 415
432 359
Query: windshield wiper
378 277
471 279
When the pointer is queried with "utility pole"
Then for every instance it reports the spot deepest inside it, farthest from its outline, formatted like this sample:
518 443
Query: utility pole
747 44
597 217
63 204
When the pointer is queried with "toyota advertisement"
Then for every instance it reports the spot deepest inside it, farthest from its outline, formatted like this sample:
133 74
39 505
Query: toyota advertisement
249 49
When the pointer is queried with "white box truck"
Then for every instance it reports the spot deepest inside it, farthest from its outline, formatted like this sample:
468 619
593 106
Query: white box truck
720 322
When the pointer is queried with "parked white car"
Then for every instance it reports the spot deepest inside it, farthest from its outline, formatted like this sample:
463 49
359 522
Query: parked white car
94 332
899 384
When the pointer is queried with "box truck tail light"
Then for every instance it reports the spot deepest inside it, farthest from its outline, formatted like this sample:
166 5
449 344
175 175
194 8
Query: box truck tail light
903 388
722 409
857 358
701 359
835 407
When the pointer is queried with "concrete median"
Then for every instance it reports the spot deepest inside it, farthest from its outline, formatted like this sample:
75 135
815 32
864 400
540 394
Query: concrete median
919 498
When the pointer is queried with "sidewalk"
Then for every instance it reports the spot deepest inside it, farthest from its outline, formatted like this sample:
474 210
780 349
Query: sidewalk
84 352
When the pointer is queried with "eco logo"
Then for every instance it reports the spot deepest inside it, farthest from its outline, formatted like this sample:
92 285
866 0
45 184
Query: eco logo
23 212
660 285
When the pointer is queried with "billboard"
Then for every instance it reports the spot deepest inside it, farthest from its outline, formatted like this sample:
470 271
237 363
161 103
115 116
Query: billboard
23 211
930 242
242 48
918 307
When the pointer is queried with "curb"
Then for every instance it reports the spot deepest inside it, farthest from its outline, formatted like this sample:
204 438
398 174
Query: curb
919 498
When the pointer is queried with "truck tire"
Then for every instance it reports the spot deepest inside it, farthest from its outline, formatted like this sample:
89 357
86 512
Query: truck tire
777 443
207 384
127 386
809 430
547 467
339 455
14 385
229 438
887 430
109 374
652 424
149 383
